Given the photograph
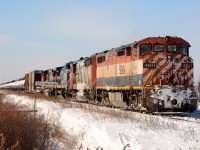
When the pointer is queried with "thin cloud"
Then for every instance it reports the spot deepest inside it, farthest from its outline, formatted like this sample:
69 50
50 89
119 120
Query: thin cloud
90 26
5 38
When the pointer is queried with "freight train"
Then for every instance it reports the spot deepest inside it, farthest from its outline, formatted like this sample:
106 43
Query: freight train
152 74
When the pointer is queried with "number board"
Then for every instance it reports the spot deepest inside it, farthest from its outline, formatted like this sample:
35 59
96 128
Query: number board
149 65
187 65
122 69
38 83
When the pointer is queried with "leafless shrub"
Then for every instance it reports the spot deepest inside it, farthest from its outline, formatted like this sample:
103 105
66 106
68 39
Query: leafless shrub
123 138
24 130
34 95
1 98
2 144
69 141
28 130
51 134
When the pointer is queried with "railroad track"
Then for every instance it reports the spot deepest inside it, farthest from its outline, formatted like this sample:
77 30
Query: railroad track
184 116
187 119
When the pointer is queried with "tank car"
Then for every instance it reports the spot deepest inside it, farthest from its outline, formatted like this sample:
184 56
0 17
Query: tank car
14 85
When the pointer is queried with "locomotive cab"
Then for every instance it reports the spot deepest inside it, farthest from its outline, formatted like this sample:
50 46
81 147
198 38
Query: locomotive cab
166 63
128 73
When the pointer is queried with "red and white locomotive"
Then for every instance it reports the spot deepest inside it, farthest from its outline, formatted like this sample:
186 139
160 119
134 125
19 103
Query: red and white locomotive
154 74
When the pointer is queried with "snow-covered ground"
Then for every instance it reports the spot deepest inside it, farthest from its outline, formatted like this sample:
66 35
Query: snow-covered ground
100 127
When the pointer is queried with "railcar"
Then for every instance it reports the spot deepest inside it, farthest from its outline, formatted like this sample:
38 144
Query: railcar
51 81
154 74
64 78
83 78
64 74
14 85
30 80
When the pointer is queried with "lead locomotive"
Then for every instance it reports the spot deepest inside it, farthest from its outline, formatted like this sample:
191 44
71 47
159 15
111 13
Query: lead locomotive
153 74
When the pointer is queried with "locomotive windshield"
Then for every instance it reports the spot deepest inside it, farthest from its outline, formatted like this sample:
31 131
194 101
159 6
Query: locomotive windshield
135 51
183 49
171 48
145 49
158 48
128 51
88 62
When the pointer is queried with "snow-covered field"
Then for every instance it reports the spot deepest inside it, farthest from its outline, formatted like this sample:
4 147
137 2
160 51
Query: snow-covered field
99 127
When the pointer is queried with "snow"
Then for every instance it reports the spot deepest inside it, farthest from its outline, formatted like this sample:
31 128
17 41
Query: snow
97 127
198 106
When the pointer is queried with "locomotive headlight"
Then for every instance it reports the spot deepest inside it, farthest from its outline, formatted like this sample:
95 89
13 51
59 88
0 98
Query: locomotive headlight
159 92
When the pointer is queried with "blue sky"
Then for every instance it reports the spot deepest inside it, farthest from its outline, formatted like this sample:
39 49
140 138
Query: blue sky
43 34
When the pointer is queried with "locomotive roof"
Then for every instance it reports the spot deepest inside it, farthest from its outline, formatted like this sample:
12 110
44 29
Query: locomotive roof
150 38
166 38
137 42
128 45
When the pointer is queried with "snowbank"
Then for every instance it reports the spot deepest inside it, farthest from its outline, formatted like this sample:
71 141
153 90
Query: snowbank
97 130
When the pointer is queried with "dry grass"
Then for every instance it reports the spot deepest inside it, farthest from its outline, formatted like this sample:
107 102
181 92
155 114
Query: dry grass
69 141
24 130
31 131
3 142
35 95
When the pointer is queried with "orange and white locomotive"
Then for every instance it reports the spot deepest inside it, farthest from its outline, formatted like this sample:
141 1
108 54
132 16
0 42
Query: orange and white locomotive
154 74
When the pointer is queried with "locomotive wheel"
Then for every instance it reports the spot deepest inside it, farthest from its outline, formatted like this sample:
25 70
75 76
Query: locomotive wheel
106 101
64 94
51 93
73 95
